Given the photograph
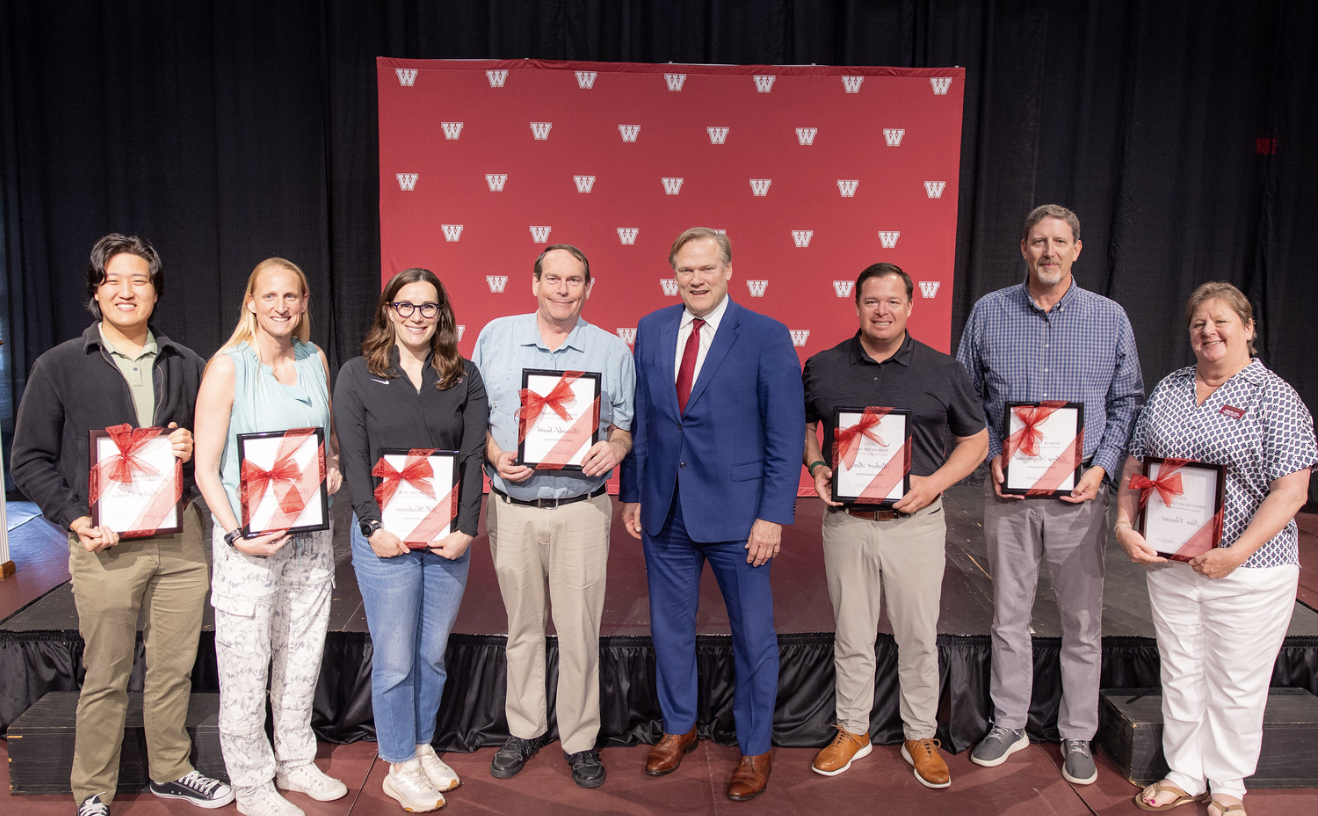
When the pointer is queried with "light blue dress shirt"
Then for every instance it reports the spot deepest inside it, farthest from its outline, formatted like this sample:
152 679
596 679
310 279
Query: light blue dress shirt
508 345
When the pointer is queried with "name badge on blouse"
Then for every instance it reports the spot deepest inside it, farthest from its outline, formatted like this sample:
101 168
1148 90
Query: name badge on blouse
1232 411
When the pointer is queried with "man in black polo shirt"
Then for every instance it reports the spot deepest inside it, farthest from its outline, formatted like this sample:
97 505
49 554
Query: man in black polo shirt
868 553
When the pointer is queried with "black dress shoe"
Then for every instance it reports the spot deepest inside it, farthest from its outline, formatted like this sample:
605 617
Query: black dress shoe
512 757
587 770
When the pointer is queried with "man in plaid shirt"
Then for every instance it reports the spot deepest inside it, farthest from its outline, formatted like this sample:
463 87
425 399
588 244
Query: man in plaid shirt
1047 339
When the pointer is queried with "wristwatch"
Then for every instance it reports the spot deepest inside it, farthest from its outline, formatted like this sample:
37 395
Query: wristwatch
233 536
368 527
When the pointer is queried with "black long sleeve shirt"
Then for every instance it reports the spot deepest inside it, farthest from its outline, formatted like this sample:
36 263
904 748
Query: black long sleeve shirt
373 412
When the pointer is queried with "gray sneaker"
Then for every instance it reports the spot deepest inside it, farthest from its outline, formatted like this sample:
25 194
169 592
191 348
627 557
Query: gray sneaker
1078 763
999 744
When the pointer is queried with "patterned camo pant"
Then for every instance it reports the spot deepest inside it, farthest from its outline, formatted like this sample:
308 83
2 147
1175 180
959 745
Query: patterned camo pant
270 621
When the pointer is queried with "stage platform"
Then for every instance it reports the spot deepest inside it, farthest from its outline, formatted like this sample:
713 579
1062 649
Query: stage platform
40 649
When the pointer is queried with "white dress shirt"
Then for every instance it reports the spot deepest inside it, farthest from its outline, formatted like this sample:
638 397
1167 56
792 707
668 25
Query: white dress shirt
706 337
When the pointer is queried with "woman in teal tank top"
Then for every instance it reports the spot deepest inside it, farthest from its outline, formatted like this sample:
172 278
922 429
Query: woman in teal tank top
271 593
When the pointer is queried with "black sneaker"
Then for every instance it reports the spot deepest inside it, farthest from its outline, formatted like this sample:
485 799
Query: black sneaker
93 806
199 790
512 757
587 770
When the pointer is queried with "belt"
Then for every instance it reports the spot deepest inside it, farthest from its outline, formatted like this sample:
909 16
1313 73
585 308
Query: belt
549 503
870 515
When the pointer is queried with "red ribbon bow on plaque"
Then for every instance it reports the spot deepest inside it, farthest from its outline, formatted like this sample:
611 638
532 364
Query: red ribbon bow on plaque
121 467
533 404
1168 484
1027 438
416 472
256 479
846 441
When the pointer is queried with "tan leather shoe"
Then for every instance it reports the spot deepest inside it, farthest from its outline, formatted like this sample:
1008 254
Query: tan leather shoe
930 769
667 754
838 755
751 776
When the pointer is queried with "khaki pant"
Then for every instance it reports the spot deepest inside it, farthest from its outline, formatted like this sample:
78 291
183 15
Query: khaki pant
903 559
566 550
167 577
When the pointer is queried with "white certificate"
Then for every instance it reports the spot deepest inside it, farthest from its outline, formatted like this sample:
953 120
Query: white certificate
1193 513
865 447
283 481
421 495
1045 446
136 482
566 412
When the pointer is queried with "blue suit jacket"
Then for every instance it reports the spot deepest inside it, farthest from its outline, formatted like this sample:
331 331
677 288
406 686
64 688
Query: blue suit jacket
737 448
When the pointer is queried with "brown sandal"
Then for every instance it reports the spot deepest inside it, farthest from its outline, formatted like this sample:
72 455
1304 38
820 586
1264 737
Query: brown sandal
1163 786
1223 808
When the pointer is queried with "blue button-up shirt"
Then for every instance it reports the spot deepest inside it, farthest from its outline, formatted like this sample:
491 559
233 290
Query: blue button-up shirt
1081 350
508 345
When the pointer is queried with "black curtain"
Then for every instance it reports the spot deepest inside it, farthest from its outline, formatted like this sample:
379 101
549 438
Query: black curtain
1181 131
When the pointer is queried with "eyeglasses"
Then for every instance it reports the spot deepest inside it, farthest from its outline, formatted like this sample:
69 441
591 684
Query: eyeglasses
405 309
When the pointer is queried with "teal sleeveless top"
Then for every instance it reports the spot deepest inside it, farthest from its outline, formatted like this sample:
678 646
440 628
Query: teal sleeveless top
262 403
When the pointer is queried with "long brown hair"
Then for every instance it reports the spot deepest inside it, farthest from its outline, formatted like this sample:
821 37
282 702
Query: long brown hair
380 339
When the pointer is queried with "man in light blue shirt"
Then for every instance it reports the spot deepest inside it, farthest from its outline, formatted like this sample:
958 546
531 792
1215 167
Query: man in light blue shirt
550 528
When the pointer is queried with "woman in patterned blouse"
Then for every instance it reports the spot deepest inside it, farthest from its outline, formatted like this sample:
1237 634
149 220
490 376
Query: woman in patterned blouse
1221 617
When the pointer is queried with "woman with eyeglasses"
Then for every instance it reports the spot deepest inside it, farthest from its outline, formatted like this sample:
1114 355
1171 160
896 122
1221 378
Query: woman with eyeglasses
410 390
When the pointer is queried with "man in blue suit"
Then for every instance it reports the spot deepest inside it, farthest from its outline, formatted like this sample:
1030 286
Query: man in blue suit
713 477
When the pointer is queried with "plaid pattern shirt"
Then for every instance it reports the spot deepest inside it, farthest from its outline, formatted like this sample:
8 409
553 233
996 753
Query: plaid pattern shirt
1082 350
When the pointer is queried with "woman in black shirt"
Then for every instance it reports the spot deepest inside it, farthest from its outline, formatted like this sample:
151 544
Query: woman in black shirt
410 390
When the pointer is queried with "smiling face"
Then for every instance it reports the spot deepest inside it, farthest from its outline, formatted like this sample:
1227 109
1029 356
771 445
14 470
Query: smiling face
414 332
127 297
883 309
1049 251
561 288
278 301
1218 336
702 276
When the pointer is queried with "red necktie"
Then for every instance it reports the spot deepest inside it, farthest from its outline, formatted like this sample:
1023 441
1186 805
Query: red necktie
687 373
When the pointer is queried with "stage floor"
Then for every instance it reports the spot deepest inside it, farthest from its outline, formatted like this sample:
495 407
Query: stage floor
801 603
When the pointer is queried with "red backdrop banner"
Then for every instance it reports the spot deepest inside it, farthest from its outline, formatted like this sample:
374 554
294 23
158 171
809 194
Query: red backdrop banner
814 172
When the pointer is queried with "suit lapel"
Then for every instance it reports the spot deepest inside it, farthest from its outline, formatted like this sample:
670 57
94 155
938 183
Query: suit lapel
667 361
723 340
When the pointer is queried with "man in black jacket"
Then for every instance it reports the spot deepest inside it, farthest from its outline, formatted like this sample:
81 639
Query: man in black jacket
122 372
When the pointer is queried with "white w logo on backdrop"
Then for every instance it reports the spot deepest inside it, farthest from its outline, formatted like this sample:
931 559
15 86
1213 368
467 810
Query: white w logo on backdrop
717 135
406 181
497 282
799 336
497 78
843 288
462 329
452 232
540 130
806 136
584 183
935 188
540 234
929 288
893 136
764 83
888 240
802 237
760 187
629 132
452 130
669 285
496 180
672 186
585 80
757 287
847 187
628 336
406 76
940 84
627 235
852 83
674 81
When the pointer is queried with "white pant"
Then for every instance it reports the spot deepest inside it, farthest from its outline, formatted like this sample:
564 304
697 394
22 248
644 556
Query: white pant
1218 640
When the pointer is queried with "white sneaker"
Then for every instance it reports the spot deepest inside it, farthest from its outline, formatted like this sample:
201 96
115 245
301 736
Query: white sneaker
267 802
436 770
312 781
407 783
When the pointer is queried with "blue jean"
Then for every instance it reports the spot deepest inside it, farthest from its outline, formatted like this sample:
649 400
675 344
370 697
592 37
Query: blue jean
411 602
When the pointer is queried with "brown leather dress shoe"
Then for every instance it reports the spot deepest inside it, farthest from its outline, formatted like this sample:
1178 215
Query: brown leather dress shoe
667 754
751 776
838 755
930 769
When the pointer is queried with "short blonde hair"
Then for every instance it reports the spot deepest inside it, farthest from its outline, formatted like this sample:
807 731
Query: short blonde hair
697 234
1228 294
245 331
